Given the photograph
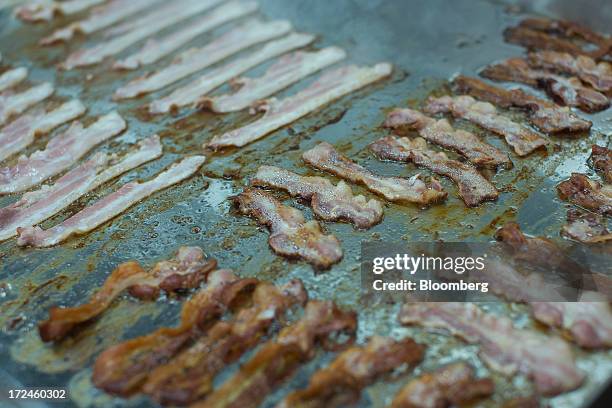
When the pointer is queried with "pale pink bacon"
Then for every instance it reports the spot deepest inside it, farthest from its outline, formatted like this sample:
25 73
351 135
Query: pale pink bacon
12 77
290 234
194 91
328 202
14 103
61 152
288 70
413 190
45 10
548 361
36 206
161 18
22 131
586 227
108 207
196 59
330 86
484 114
155 49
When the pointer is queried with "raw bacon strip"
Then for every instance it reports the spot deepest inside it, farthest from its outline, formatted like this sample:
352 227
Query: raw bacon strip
413 190
340 384
13 104
45 10
36 206
109 207
194 91
586 227
473 187
452 385
188 377
196 59
20 133
329 202
161 18
602 161
547 116
521 138
567 91
440 132
548 361
155 49
290 235
186 271
288 70
587 193
277 360
278 113
122 369
60 153
12 77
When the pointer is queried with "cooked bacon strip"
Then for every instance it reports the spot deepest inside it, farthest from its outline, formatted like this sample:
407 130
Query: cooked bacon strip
330 86
13 104
586 227
547 116
290 234
122 369
188 377
329 202
340 384
108 207
277 360
288 70
567 91
12 77
196 59
194 91
413 190
160 18
473 187
186 271
452 385
440 132
522 139
587 193
36 206
60 153
45 10
602 161
20 133
155 49
548 361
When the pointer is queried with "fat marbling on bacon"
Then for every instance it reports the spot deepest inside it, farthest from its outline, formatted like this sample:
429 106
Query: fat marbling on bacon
15 103
601 158
46 10
587 193
12 77
586 227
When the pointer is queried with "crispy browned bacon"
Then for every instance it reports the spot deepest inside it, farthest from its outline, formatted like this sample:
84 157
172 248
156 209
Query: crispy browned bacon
602 161
586 227
587 193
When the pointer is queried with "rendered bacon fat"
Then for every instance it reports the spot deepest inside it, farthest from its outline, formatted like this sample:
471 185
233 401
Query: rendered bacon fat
12 77
14 103
602 161
45 10
587 193
586 227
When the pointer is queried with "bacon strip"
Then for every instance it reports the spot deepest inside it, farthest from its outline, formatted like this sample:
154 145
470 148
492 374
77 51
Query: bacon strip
45 10
13 104
602 161
194 91
277 360
587 193
330 86
157 20
521 138
60 153
108 207
155 49
36 206
196 59
288 70
20 133
290 234
123 369
413 190
12 77
473 187
586 227
329 202
547 116
188 377
440 132
186 271
340 384
548 361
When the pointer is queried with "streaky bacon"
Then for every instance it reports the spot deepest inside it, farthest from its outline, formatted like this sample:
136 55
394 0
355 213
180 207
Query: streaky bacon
586 227
601 158
185 271
12 77
109 207
194 91
329 202
328 87
587 193
45 10
288 70
61 152
15 103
